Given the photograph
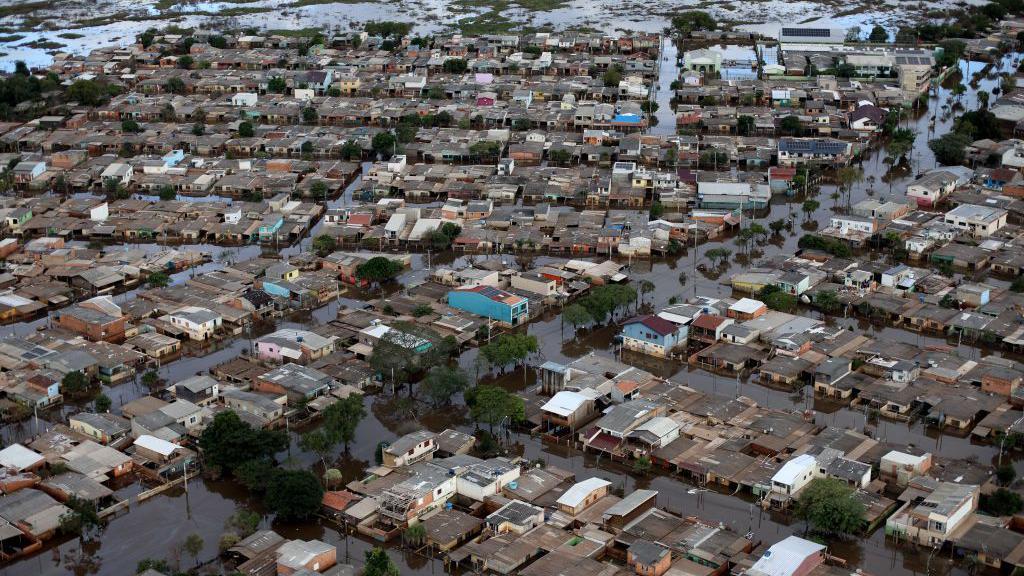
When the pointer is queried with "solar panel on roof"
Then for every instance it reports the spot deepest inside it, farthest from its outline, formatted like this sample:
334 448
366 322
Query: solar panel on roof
807 32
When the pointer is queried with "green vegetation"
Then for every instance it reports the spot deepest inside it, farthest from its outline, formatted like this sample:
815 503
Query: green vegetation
1001 502
493 404
158 280
378 563
444 382
102 403
167 193
384 144
612 76
324 244
830 507
293 494
74 384
829 245
379 269
774 298
604 301
508 349
693 21
80 519
442 238
245 130
229 442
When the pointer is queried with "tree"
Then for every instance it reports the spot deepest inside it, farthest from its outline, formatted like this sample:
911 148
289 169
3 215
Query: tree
949 148
493 404
379 269
646 287
642 465
174 85
693 21
185 62
318 188
827 301
809 207
130 126
193 546
74 383
102 403
343 417
158 280
351 150
1008 84
983 96
332 477
455 66
790 124
309 115
85 92
612 76
384 144
80 518
319 442
415 535
1002 502
745 125
776 299
509 348
879 35
294 494
444 382
777 226
277 85
378 563
657 210
324 244
721 255
245 129
830 507
243 522
150 379
218 41
576 315
167 193
228 442
1006 474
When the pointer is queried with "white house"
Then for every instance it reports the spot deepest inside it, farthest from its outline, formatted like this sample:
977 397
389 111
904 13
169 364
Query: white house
932 188
977 220
118 171
199 323
244 99
794 475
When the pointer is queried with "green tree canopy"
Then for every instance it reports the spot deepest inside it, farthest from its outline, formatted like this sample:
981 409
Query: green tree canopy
294 494
829 506
444 382
324 244
228 442
378 563
493 404
379 269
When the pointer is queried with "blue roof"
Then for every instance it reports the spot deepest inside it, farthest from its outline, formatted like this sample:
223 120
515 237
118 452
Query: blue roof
627 118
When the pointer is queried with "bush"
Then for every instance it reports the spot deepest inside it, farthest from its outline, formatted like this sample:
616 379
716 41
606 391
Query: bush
1002 502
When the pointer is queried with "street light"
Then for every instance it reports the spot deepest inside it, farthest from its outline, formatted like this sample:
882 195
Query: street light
1005 434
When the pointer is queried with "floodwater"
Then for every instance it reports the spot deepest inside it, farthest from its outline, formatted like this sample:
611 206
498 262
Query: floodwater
156 527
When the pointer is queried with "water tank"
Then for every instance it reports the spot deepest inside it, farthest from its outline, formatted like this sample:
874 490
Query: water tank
513 485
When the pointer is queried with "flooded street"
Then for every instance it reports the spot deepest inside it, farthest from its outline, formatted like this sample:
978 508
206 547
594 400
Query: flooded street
154 528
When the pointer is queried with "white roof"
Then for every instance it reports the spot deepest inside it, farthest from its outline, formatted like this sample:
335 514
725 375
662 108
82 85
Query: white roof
579 491
747 305
904 458
793 468
785 557
154 444
564 403
19 457
660 426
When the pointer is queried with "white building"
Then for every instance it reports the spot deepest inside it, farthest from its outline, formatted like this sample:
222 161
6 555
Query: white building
199 323
794 475
977 220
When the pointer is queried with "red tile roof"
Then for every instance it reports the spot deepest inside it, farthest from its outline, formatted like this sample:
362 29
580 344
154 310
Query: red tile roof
656 323
708 321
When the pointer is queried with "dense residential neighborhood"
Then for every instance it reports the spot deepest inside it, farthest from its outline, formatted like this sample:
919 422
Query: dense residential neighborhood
705 301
